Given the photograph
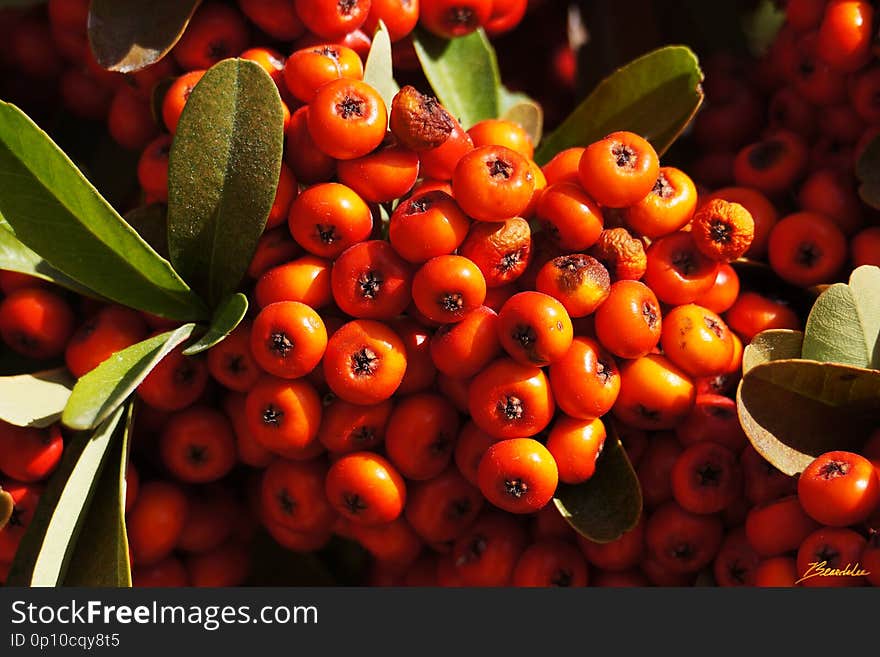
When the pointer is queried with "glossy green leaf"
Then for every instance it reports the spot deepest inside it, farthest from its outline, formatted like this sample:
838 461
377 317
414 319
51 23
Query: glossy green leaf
773 344
868 173
227 316
609 504
100 392
35 400
655 96
525 112
223 173
57 213
378 71
100 557
50 539
463 72
844 324
15 256
151 223
794 410
6 507
128 35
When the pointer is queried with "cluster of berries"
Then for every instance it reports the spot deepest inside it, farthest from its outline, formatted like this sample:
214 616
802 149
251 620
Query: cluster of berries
49 50
783 136
444 332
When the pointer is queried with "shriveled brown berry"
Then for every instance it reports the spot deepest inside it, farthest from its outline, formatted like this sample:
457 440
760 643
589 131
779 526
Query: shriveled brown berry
622 254
419 121
580 283
722 230
502 250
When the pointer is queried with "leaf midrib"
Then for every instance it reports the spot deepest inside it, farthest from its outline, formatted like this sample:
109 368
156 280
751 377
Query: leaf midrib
227 172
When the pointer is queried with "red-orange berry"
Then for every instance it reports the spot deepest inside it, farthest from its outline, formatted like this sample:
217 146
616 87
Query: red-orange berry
288 339
113 329
332 20
619 170
176 382
534 328
493 183
586 380
307 69
347 119
364 362
839 489
510 400
448 287
36 322
667 208
283 415
454 18
570 216
28 454
366 488
215 32
198 445
575 446
426 225
518 475
369 280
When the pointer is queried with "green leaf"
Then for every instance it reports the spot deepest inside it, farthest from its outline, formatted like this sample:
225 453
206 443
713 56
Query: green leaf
58 214
35 400
382 216
609 504
6 507
844 324
773 344
868 173
523 111
655 96
128 35
227 316
223 173
794 410
463 72
100 392
50 540
378 71
15 256
151 223
761 26
100 557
